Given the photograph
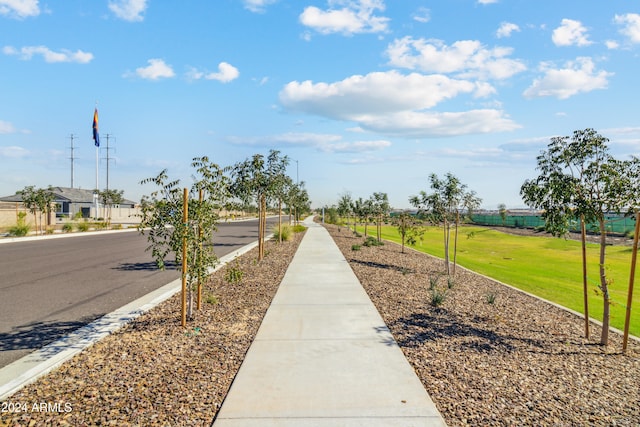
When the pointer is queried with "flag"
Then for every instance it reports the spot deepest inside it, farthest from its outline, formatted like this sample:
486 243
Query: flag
96 135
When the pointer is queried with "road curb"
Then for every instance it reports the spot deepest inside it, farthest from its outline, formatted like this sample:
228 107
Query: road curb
34 365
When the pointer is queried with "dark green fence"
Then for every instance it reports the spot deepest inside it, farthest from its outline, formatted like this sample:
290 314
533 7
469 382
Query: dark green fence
615 223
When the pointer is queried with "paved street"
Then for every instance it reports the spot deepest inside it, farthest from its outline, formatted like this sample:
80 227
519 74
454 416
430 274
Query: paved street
53 286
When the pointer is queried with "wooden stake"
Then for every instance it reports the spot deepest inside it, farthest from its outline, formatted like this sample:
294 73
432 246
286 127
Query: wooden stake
185 219
634 256
585 289
198 302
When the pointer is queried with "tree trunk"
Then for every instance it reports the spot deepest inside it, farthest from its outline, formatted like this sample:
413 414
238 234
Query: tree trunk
279 220
604 287
264 224
260 230
446 246
455 243
585 287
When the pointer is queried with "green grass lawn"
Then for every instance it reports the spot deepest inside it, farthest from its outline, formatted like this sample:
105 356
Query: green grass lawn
545 266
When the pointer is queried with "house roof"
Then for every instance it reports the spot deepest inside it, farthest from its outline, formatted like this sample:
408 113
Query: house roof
66 194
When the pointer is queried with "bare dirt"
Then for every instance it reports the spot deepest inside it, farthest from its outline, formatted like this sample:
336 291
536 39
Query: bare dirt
493 356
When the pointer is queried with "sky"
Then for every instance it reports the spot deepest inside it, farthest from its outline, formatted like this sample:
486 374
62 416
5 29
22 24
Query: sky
363 96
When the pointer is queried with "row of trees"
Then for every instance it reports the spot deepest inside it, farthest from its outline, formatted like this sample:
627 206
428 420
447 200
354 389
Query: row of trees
446 204
579 180
181 221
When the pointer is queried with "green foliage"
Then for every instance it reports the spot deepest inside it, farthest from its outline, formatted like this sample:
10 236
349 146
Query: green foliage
490 298
433 282
331 215
579 179
285 233
21 228
83 226
437 297
211 299
450 282
299 228
355 247
38 201
234 274
372 241
67 227
409 227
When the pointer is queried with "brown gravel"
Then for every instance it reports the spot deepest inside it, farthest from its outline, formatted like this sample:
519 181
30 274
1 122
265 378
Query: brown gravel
153 372
518 361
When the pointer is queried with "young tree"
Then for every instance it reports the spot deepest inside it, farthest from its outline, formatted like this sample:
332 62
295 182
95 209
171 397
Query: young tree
442 206
278 182
38 201
167 231
409 227
579 178
380 208
502 211
345 206
108 199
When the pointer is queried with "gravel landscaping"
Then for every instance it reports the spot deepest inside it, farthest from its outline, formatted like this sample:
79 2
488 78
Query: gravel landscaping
153 372
493 356
488 356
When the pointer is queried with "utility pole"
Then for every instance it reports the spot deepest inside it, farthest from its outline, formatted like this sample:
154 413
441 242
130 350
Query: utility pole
72 158
108 159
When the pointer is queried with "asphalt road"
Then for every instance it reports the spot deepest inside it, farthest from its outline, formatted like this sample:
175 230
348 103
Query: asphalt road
51 287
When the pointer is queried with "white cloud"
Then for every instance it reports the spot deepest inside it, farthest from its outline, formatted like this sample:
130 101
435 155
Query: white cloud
418 124
257 6
352 16
157 69
49 55
329 143
6 127
612 44
394 104
13 152
468 58
487 1
570 33
576 77
506 28
374 93
631 26
422 15
129 10
226 73
19 8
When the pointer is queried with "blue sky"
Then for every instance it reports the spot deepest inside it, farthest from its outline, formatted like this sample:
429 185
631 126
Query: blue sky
363 95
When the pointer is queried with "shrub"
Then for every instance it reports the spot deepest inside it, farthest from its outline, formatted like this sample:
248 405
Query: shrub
433 282
491 298
83 226
210 299
299 228
67 227
21 228
437 297
285 230
450 282
234 274
372 241
355 247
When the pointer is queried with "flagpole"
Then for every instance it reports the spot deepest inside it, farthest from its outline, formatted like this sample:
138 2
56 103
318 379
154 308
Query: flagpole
96 139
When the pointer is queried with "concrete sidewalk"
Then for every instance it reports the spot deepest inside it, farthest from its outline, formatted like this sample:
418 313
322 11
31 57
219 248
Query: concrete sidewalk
323 355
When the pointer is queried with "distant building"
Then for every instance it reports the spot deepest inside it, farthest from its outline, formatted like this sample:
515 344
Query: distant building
71 201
